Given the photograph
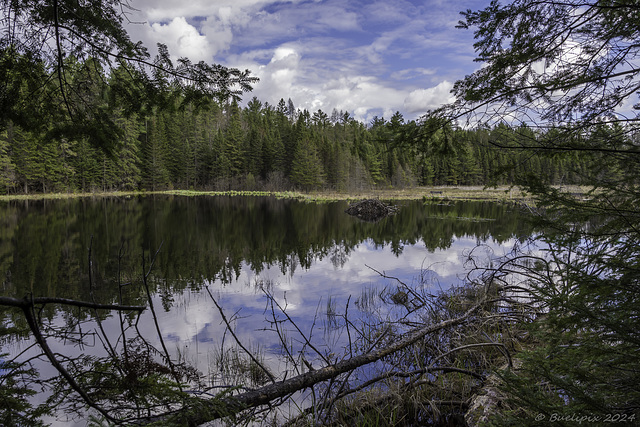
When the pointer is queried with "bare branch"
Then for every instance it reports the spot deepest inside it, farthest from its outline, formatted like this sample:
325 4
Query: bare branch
28 302
270 392
235 337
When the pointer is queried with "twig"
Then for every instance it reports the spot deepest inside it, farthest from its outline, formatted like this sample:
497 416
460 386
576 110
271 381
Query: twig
33 325
106 343
235 337
327 361
270 392
467 346
145 275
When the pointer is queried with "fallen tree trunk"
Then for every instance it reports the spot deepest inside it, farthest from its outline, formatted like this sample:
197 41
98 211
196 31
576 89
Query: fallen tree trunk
487 400
30 302
233 405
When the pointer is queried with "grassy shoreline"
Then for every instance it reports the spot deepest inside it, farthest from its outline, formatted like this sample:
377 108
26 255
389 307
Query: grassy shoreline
477 193
440 192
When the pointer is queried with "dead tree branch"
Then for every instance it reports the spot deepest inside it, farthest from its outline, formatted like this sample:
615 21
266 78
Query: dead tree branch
28 305
27 302
235 337
266 394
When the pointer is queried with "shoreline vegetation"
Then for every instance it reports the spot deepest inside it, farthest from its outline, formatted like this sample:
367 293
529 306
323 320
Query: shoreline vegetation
469 193
85 107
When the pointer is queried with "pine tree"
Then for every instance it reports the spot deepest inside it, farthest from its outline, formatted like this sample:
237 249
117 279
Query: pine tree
233 144
86 166
155 175
27 157
47 43
127 158
256 137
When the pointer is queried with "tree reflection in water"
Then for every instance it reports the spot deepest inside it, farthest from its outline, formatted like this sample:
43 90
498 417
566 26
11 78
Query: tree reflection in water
246 251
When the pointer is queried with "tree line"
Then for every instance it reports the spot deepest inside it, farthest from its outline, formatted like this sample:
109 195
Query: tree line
564 68
223 146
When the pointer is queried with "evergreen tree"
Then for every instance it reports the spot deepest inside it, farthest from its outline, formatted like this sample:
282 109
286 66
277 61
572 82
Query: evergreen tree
272 149
28 159
127 160
306 170
86 166
7 169
292 113
320 119
255 138
587 283
155 175
47 40
285 130
233 147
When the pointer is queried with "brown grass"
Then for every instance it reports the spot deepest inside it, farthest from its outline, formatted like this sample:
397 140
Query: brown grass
503 193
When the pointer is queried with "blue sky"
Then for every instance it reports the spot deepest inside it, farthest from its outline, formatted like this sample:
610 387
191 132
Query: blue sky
365 57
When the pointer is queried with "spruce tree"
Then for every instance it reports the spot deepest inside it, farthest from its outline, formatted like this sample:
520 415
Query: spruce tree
234 147
306 170
566 69
7 168
44 42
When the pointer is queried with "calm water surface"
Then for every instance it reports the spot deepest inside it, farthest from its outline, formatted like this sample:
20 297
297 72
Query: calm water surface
312 258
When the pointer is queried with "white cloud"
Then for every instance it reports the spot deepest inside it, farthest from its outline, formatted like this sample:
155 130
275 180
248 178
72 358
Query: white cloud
164 10
285 54
336 17
278 77
366 57
290 75
387 11
362 94
183 39
412 72
421 100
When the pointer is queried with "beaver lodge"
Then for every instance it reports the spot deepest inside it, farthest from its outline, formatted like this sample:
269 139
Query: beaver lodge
371 210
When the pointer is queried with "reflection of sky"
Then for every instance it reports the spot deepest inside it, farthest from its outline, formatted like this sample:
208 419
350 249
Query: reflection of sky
194 328
194 322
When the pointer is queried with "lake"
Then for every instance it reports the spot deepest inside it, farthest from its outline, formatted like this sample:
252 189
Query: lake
243 254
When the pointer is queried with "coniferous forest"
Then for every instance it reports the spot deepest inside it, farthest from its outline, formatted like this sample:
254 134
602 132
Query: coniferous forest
544 332
223 146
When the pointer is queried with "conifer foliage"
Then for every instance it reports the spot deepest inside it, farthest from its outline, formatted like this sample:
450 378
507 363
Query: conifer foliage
54 58
259 147
564 77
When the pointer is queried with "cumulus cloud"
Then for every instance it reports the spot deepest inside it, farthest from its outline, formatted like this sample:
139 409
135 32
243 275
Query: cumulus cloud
290 75
363 96
278 77
367 57
421 100
183 39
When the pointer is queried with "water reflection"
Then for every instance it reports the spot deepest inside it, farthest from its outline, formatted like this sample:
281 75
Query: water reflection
312 258
44 245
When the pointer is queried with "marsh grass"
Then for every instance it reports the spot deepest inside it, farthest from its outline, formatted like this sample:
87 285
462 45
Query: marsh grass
433 381
234 366
436 194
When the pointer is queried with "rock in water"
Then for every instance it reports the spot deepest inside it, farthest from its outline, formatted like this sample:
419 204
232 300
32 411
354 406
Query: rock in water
371 210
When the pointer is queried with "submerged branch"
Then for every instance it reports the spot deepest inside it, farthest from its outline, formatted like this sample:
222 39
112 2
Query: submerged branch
30 302
237 340
266 394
